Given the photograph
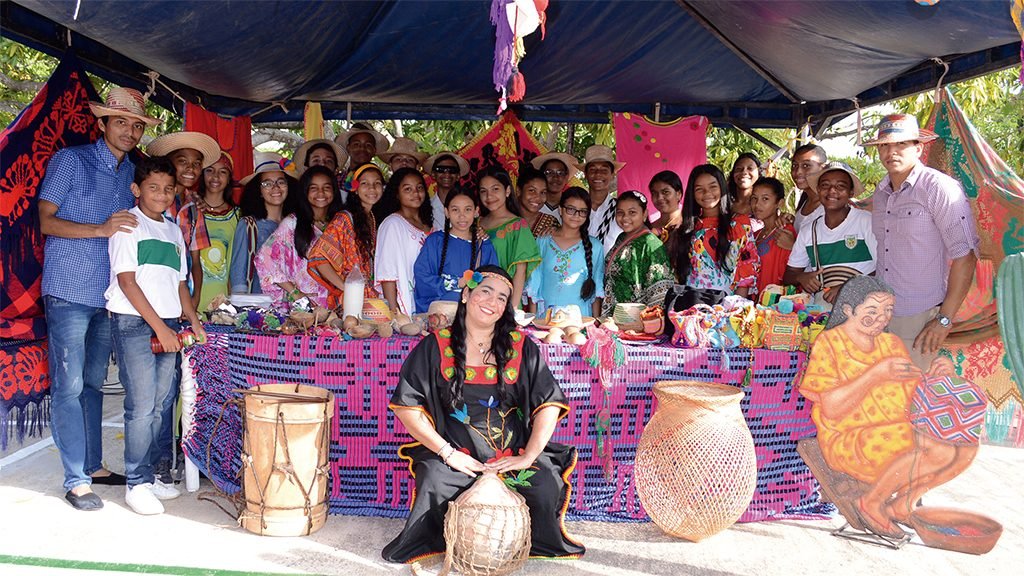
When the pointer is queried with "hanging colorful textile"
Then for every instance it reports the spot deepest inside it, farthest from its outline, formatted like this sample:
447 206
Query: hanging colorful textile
513 20
56 118
649 147
996 195
312 121
233 134
605 352
507 143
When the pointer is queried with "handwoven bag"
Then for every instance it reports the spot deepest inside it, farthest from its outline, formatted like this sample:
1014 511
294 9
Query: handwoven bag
783 332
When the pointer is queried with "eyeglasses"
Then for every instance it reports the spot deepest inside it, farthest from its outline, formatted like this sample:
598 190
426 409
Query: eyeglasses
268 184
570 211
556 173
446 169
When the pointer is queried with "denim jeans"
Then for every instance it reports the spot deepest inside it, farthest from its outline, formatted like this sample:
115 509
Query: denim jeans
147 379
165 441
79 341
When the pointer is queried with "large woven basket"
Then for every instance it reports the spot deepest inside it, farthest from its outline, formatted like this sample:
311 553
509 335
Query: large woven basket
696 469
487 530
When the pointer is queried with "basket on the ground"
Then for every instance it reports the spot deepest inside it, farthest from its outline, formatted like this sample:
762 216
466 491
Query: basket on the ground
696 469
487 530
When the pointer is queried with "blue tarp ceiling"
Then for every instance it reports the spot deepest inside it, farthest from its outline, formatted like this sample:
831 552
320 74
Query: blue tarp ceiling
756 63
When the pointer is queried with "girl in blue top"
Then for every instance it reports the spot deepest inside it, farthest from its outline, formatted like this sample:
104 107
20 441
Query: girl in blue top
447 254
571 270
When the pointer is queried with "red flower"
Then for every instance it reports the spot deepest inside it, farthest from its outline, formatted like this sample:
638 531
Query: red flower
8 386
17 186
503 453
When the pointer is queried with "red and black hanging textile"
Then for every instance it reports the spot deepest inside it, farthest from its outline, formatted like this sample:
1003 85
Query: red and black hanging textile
233 134
58 117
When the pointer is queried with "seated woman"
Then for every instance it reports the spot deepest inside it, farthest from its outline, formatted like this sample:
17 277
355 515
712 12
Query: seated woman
448 253
281 263
667 195
775 238
745 171
843 237
532 196
350 240
571 269
713 249
509 232
402 233
636 268
268 197
213 230
862 382
478 397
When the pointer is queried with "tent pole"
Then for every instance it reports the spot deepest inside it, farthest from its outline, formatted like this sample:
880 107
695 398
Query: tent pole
757 136
570 139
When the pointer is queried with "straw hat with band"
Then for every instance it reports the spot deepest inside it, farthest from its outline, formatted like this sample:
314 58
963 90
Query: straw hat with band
124 102
302 152
406 146
428 166
835 165
380 141
569 160
168 143
599 153
267 162
900 128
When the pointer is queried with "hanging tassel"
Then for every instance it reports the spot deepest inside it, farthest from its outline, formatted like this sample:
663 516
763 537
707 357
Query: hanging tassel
518 87
542 6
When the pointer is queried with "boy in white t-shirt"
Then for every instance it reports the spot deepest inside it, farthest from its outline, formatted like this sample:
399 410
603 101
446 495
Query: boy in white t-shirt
147 294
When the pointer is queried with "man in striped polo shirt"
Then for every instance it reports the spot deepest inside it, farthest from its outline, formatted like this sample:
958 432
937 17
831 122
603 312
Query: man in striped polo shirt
84 200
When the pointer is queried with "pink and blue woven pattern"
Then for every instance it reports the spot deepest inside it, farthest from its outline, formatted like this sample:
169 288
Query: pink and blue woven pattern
368 479
950 409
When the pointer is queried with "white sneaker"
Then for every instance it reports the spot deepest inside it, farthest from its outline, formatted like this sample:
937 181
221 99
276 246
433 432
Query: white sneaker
163 491
141 499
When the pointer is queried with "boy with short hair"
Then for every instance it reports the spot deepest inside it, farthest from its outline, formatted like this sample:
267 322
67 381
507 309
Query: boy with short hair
148 293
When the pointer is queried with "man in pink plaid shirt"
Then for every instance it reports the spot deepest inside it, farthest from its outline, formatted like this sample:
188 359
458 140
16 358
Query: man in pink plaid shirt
927 242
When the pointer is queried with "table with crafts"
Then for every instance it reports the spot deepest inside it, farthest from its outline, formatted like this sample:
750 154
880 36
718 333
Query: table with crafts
369 479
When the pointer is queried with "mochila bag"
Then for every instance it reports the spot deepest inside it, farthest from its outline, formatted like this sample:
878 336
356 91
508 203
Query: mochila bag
783 332
682 297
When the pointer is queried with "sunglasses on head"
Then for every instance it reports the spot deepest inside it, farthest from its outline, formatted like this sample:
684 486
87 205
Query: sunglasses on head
446 169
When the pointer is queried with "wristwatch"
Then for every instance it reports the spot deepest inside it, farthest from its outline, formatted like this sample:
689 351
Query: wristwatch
944 320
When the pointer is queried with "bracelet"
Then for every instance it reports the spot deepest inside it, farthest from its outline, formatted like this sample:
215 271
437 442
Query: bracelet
451 450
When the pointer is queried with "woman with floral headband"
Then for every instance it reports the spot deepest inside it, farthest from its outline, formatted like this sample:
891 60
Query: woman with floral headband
478 397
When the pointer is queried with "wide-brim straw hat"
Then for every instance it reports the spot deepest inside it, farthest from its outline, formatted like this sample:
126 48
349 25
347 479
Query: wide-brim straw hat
428 166
858 186
299 158
381 141
124 102
900 128
205 145
406 146
267 162
569 160
599 153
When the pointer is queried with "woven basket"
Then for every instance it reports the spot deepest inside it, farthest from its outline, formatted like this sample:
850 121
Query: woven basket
696 470
487 530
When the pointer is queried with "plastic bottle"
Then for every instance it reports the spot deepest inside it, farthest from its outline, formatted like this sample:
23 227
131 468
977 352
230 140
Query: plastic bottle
185 338
352 300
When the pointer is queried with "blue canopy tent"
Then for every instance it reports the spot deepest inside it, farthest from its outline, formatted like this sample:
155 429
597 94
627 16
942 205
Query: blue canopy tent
748 63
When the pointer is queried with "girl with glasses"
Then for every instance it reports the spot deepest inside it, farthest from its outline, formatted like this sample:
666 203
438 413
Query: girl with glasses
571 269
268 197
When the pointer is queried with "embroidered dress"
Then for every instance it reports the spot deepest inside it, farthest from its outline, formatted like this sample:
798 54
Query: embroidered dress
515 244
278 262
636 270
557 281
215 258
337 246
742 263
400 244
487 429
773 258
431 286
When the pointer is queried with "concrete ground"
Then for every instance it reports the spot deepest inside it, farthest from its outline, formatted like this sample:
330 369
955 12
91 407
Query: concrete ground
40 534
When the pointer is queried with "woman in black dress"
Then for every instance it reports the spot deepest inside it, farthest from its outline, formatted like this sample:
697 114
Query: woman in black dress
465 421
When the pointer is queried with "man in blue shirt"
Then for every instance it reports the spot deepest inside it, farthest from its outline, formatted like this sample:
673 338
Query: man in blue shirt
84 200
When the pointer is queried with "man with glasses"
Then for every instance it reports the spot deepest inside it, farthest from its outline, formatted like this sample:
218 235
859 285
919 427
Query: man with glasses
555 167
84 200
445 169
927 242
807 159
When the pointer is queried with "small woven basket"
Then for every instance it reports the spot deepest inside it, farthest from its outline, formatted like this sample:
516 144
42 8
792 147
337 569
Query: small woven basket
696 469
487 530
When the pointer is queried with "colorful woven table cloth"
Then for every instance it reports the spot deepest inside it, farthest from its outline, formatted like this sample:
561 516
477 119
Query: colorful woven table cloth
368 479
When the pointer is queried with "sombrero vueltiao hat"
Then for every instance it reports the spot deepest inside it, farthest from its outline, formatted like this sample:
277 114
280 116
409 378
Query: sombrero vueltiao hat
599 153
900 128
124 102
569 160
835 165
406 146
380 141
428 166
205 145
299 158
267 162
